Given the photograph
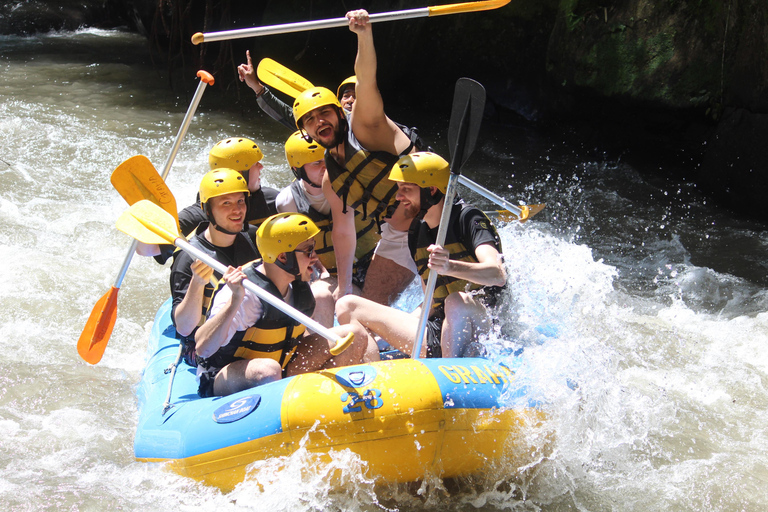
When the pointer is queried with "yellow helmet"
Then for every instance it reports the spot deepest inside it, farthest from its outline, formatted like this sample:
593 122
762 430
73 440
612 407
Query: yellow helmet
299 152
219 182
311 99
423 168
236 153
283 233
351 80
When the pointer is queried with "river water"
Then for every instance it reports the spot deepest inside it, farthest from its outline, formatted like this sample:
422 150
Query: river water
641 307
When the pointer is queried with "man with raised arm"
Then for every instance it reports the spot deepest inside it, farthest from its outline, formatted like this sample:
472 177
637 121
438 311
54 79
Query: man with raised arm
361 149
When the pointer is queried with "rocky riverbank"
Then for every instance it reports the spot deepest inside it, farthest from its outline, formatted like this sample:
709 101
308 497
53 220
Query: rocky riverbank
636 77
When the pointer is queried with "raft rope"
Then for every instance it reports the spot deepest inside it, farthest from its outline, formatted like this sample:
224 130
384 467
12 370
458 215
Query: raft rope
172 370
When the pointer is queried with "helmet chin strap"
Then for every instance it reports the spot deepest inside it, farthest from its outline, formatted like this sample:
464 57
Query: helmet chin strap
427 200
302 175
291 264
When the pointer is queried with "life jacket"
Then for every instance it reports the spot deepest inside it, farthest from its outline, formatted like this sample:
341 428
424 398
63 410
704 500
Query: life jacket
421 236
244 251
275 335
367 234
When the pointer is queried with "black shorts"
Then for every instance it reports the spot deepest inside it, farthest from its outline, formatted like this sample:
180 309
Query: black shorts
205 389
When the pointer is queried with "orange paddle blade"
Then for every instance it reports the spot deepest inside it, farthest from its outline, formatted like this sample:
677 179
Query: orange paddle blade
97 330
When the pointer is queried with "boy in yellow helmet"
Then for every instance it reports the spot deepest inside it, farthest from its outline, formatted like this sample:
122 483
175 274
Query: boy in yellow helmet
246 341
469 265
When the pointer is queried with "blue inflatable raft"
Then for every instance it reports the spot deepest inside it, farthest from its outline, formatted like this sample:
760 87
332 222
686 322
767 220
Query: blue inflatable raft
405 418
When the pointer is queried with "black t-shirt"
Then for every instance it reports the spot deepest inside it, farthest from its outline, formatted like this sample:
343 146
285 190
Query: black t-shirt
468 226
241 252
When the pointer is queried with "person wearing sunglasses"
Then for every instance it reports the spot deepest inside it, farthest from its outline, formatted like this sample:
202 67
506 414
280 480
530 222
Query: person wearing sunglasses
247 342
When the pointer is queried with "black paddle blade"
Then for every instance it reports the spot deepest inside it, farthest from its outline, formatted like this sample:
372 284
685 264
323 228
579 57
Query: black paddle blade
466 116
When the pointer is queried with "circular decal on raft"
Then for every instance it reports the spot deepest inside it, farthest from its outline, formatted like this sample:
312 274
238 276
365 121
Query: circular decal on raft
236 409
356 377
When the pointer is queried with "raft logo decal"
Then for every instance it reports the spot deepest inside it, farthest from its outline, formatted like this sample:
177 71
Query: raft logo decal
236 409
356 377
371 398
495 374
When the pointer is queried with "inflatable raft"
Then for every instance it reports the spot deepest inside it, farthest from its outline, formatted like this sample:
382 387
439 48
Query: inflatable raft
405 418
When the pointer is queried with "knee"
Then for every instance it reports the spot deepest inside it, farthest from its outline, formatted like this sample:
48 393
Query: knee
321 289
346 307
264 370
460 303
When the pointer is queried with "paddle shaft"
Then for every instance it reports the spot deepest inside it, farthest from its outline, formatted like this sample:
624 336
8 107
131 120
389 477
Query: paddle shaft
205 78
490 195
442 230
259 292
301 26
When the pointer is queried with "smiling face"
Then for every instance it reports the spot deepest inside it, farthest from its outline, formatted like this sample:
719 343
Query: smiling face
409 195
228 210
323 125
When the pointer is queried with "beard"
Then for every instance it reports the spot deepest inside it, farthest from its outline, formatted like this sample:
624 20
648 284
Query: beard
339 132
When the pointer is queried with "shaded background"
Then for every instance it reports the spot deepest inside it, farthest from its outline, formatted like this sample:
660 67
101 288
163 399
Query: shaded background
677 82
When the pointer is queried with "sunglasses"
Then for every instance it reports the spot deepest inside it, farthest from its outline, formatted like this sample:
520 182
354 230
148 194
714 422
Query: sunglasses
307 252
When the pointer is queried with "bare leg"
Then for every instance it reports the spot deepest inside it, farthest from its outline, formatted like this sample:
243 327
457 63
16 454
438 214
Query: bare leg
314 351
397 327
465 318
322 289
385 280
244 374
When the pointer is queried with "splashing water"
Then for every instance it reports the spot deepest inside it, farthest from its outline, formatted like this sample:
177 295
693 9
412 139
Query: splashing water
639 308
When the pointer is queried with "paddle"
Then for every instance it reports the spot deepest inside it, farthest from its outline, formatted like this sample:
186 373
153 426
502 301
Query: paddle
507 216
136 179
281 78
463 127
523 213
93 340
148 223
286 28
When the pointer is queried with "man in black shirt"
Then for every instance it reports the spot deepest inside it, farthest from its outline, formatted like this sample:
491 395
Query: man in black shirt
469 264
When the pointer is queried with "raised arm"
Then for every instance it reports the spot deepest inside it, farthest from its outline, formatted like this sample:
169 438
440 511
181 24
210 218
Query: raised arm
268 102
344 239
371 126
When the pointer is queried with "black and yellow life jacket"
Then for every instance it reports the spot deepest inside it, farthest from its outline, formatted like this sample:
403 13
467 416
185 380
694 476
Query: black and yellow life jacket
421 236
275 335
367 234
243 249
363 182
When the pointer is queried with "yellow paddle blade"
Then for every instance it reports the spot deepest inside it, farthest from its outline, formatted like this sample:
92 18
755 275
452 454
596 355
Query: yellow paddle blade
137 179
148 223
528 211
279 77
486 5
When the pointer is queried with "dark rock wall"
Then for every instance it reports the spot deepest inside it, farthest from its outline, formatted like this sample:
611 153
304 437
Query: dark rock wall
678 77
